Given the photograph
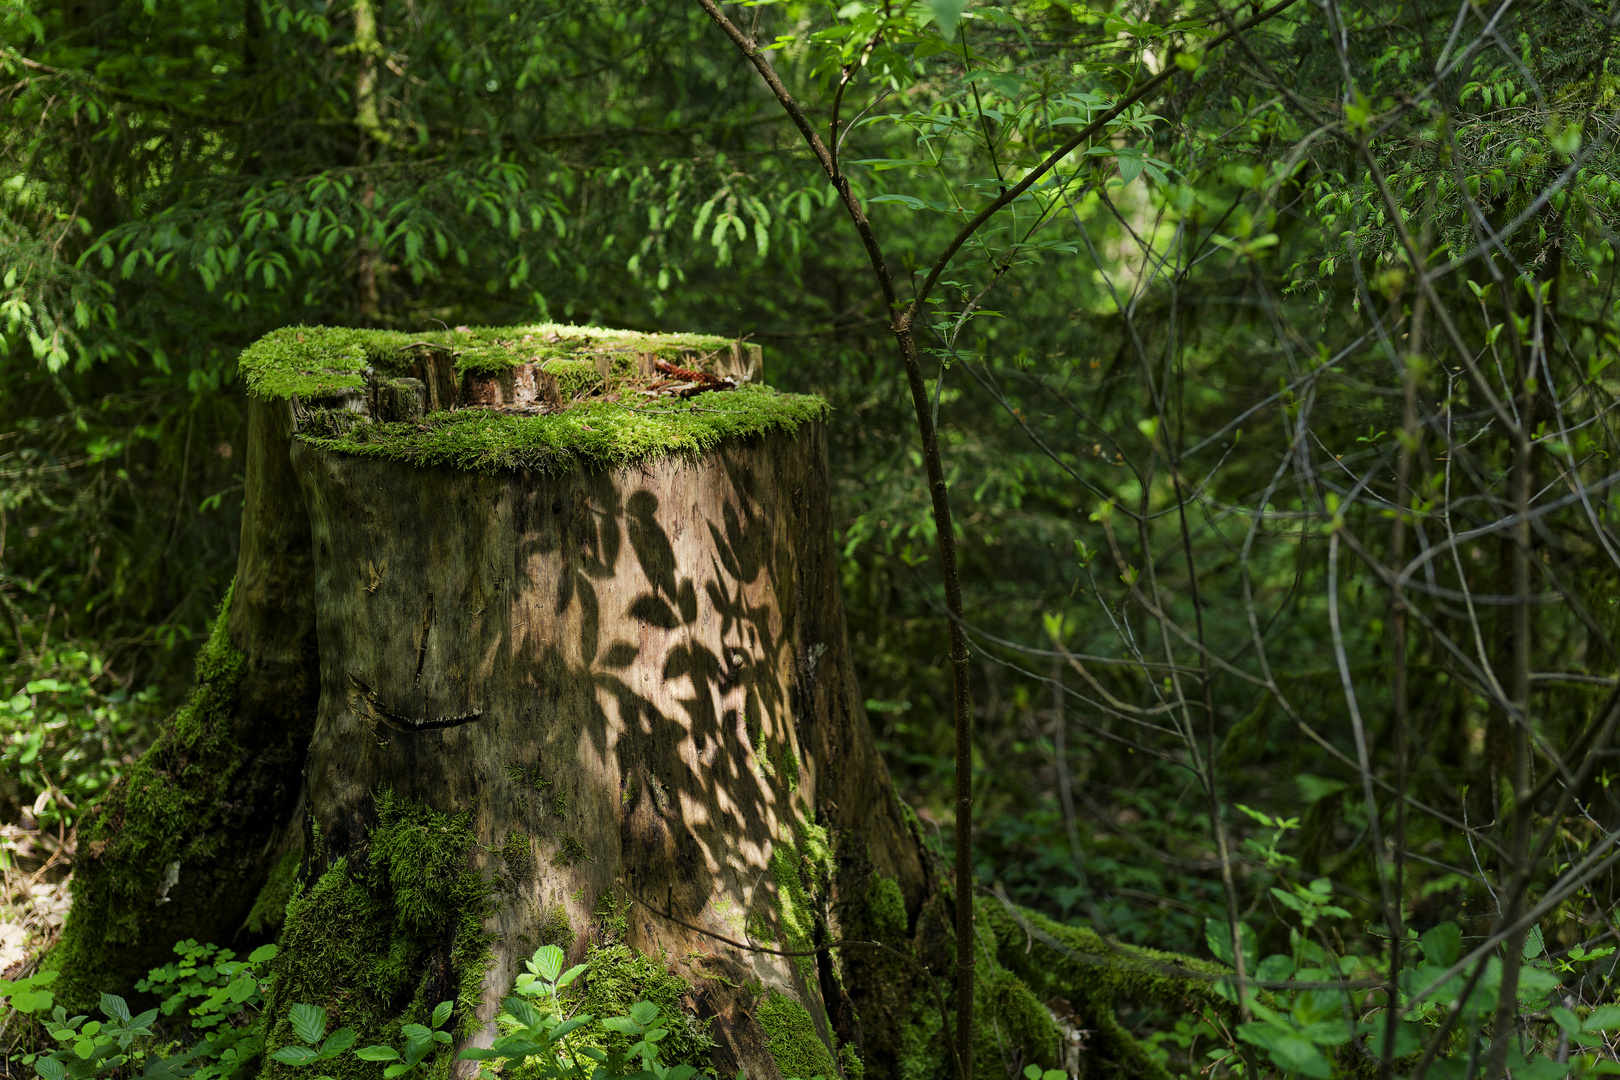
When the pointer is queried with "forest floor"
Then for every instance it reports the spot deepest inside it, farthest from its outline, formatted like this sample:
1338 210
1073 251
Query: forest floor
36 868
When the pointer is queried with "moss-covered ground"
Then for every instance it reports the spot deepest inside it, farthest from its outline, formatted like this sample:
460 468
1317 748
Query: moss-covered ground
384 934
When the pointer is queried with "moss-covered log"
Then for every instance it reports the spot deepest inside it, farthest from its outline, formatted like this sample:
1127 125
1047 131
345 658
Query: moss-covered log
582 679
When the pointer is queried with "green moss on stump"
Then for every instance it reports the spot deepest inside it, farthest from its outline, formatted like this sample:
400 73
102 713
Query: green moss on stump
617 977
316 363
385 934
1097 977
270 908
161 823
590 434
790 1036
555 929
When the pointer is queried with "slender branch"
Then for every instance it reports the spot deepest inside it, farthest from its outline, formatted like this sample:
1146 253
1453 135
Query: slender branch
1056 157
944 527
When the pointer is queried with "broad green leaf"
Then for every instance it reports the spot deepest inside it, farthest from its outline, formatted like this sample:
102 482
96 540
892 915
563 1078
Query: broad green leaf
337 1042
947 13
32 1001
308 1022
908 201
243 987
644 1012
296 1055
1442 944
441 1013
547 961
569 1025
377 1053
1602 1018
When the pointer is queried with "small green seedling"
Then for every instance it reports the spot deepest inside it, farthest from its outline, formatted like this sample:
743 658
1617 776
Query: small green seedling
419 1042
309 1026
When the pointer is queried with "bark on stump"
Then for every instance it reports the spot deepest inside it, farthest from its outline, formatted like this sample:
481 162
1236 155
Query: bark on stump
635 680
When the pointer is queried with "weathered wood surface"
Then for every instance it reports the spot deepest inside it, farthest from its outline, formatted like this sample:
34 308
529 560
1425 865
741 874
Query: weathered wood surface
623 669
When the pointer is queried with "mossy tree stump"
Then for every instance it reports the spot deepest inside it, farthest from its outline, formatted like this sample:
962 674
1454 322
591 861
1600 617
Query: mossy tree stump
551 617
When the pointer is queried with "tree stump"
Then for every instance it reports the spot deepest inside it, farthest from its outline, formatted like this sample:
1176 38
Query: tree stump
550 616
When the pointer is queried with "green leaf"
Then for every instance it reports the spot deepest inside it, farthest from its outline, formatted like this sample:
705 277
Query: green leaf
547 962
908 201
644 1012
242 987
337 1042
1442 944
32 1001
441 1013
1533 943
569 1025
1130 167
1289 1049
263 954
947 13
377 1053
1602 1018
1219 938
114 1007
308 1022
296 1055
